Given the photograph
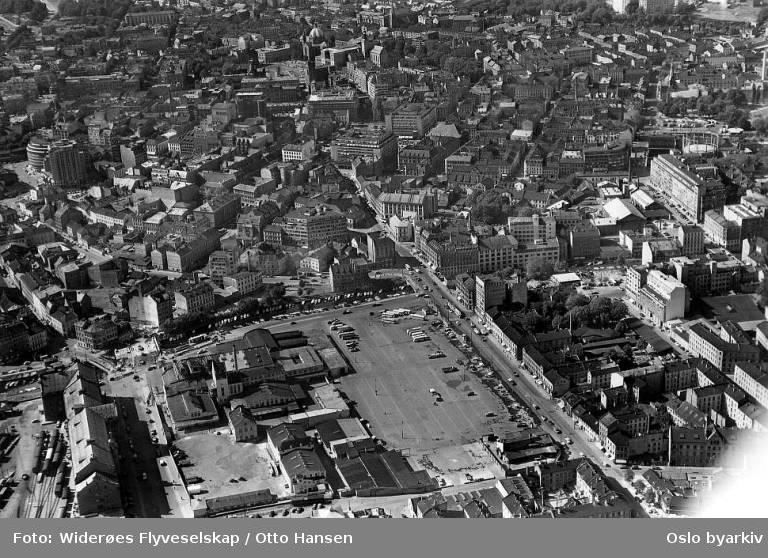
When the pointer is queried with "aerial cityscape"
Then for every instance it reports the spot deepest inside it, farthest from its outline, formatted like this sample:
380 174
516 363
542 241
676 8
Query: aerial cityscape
325 258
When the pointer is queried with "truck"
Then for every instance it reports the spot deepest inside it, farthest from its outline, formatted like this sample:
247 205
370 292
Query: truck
194 489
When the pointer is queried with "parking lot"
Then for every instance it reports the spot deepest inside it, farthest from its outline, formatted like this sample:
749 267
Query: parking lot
225 467
392 383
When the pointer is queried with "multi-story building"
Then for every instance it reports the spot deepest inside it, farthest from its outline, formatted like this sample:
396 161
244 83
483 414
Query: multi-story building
160 17
153 309
372 144
419 205
96 333
272 54
578 55
412 120
350 277
691 239
689 193
544 251
244 282
658 6
721 353
490 291
423 159
584 241
528 230
753 379
315 227
450 257
663 297
733 224
250 193
341 103
721 231
222 263
381 250
696 447
708 276
495 253
299 151
67 163
218 211
191 255
194 298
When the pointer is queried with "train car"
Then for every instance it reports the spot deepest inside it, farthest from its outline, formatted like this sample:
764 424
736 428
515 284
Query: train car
54 441
47 461
37 453
61 511
58 453
58 482
65 492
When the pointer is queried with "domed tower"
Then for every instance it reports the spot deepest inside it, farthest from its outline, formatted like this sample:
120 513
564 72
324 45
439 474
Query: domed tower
314 42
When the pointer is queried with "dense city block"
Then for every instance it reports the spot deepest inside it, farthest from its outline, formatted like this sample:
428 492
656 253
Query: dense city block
326 258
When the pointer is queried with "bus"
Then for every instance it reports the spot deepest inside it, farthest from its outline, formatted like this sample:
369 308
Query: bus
197 339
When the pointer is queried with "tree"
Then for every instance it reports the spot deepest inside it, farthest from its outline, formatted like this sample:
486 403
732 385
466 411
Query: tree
621 260
760 125
649 495
762 16
38 12
537 268
629 475
576 300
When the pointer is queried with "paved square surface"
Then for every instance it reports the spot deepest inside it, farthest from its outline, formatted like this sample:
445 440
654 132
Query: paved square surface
392 382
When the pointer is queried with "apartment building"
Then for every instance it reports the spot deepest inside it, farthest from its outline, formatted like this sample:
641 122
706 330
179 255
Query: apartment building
689 193
299 151
753 379
721 353
194 298
96 333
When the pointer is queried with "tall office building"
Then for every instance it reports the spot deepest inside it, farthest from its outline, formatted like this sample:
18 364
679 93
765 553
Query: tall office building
373 144
67 163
